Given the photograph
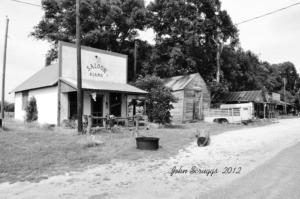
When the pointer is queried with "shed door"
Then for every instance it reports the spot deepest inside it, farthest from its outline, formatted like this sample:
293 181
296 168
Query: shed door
196 110
197 105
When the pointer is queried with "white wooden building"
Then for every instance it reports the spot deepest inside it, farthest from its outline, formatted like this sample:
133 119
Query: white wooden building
104 83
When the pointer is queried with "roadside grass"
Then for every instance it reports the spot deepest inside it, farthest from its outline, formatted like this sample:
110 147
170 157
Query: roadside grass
29 152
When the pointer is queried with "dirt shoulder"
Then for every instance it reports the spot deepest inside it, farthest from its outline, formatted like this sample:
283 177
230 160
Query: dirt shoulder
276 179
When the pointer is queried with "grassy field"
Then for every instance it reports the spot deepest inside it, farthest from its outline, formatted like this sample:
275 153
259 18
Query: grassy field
33 153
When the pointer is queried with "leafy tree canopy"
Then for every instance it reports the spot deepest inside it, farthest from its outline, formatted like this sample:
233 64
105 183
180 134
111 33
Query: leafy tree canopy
106 24
243 70
159 98
187 34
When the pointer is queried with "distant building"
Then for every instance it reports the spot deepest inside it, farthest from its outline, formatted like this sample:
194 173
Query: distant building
266 105
104 84
192 94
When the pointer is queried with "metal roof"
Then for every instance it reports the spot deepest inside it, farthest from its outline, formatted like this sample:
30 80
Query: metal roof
178 82
103 86
241 96
45 77
48 76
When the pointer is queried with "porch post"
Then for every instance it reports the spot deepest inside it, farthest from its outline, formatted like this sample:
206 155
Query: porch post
59 83
264 110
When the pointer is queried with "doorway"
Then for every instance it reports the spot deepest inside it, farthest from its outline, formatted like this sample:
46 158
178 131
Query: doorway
97 110
72 105
115 102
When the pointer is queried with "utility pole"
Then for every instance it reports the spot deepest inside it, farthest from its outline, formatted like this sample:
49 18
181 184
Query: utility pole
3 71
220 45
135 60
79 81
284 95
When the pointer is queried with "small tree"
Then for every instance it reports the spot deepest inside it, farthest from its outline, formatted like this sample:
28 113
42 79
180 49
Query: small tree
31 110
159 98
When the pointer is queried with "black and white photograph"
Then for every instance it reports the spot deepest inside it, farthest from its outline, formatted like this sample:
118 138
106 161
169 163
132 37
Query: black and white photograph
149 99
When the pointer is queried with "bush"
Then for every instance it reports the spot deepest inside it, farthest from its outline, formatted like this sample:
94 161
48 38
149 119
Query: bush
31 110
158 100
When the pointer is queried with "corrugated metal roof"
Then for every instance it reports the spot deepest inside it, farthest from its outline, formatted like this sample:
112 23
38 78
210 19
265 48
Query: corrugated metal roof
45 77
104 86
178 82
48 76
241 96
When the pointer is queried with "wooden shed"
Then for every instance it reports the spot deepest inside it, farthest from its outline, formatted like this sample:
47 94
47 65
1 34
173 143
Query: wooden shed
192 94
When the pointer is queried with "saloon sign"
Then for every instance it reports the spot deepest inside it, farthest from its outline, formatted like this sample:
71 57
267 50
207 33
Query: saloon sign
97 65
96 68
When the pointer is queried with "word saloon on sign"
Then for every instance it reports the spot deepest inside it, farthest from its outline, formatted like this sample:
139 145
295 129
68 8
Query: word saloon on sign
96 69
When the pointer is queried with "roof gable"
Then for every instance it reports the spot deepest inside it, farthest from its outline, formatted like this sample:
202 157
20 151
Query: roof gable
179 82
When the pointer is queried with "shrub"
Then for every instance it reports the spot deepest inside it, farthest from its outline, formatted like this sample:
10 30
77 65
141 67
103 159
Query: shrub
158 100
31 110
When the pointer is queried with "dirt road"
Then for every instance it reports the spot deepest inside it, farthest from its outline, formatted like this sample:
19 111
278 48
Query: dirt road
230 156
276 179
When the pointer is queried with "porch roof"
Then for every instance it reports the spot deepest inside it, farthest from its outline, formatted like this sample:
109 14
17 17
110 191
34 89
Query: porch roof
103 86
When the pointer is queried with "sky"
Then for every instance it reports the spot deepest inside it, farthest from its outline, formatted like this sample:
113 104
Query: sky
274 38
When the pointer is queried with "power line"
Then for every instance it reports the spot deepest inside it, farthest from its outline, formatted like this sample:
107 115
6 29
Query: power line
24 2
245 21
269 13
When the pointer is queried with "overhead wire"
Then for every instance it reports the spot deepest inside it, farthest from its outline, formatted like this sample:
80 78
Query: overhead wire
24 2
239 23
267 14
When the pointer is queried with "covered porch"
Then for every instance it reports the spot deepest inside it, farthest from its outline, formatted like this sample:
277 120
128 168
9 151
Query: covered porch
100 100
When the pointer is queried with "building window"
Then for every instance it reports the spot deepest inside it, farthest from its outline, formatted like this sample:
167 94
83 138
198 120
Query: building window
24 99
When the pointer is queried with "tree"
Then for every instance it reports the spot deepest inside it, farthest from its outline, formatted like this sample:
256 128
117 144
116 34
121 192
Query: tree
31 110
187 36
106 24
243 70
159 99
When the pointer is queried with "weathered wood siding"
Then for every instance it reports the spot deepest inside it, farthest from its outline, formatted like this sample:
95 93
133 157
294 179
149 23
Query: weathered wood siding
177 112
195 101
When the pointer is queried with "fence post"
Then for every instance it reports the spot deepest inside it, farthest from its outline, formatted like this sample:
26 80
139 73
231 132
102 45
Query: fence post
137 123
89 125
